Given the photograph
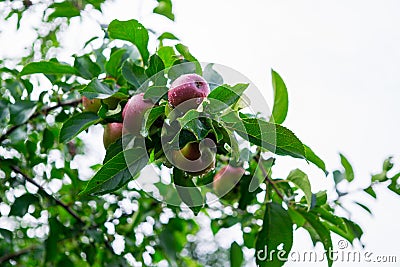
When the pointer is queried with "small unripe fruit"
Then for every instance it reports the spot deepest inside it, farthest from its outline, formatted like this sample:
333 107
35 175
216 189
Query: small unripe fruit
91 105
194 159
191 151
133 113
112 133
111 102
226 179
188 86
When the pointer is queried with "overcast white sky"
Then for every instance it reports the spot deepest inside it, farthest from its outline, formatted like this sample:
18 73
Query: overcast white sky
340 61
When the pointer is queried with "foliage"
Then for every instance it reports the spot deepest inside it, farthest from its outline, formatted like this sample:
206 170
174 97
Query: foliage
81 222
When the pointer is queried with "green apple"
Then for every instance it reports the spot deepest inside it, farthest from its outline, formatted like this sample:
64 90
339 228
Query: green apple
91 105
194 158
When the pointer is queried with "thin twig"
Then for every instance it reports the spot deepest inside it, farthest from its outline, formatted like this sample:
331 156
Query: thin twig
63 205
45 110
266 176
15 255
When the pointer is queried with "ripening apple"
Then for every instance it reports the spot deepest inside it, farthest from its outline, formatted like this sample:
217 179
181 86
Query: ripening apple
226 179
112 133
186 87
133 113
91 105
195 158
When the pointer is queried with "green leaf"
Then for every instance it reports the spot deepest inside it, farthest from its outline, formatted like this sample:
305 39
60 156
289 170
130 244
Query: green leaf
338 176
113 150
225 96
64 9
21 204
318 232
313 158
76 124
21 111
247 192
387 164
334 223
56 233
47 67
382 176
152 115
180 67
167 35
296 217
354 228
115 62
167 54
184 51
379 177
6 234
370 191
64 261
363 207
187 190
191 122
156 93
133 74
97 89
213 78
110 115
155 65
236 255
300 179
319 199
117 172
347 168
28 85
394 185
86 68
48 139
277 229
96 3
164 8
273 137
133 32
4 110
281 99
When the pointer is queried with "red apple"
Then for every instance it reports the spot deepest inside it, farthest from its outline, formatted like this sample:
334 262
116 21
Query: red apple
186 87
133 113
112 133
226 179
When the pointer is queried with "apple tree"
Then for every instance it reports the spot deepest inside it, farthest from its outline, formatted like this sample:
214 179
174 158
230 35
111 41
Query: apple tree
185 152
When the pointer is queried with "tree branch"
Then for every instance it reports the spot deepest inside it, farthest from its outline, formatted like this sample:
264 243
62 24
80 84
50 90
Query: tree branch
61 204
15 255
45 110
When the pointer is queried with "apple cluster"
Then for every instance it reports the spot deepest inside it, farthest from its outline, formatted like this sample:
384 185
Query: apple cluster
186 91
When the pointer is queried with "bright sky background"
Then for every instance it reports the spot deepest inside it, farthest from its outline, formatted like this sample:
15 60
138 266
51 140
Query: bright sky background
340 61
